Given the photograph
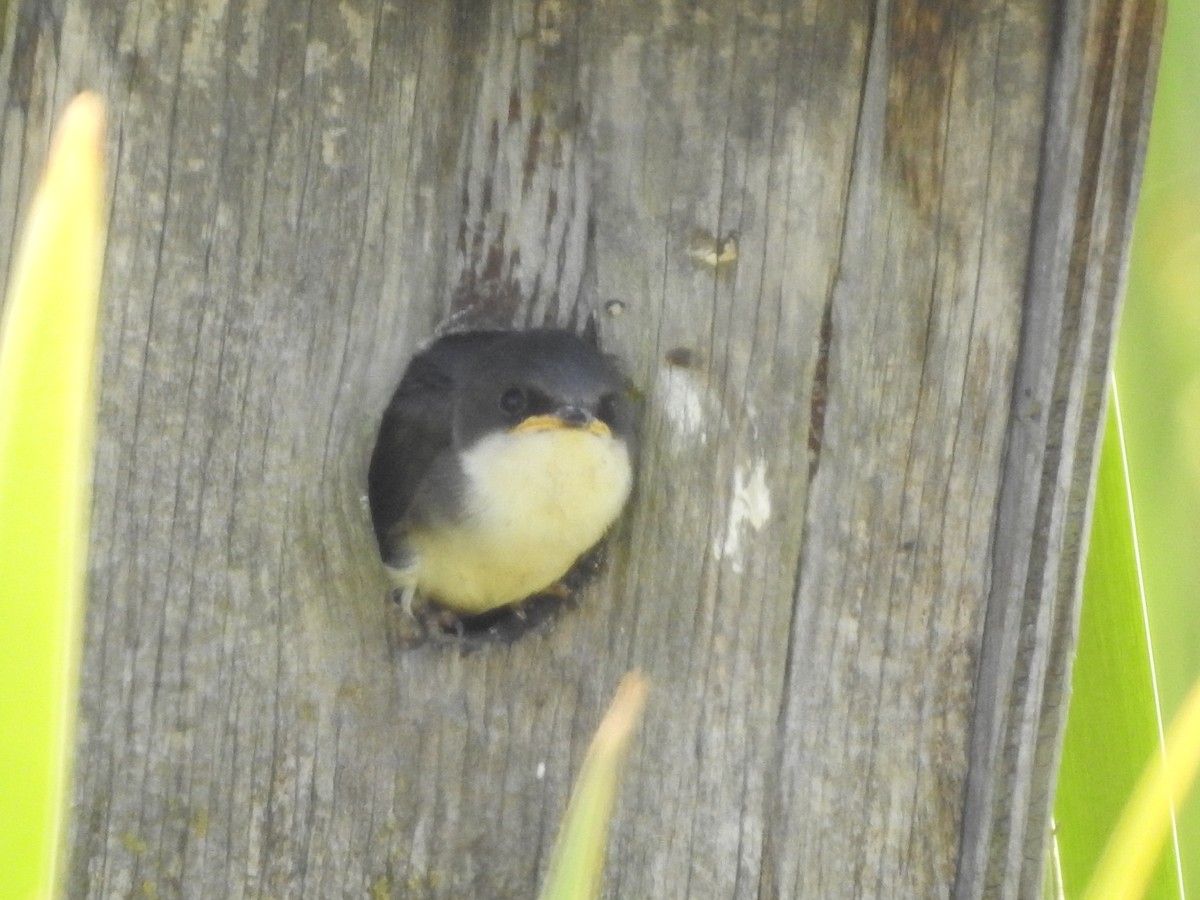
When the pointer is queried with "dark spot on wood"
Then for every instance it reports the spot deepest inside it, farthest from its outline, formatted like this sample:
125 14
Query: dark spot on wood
549 22
485 203
36 27
533 150
820 392
551 206
921 63
467 28
468 19
463 229
514 107
476 251
134 68
484 304
684 357
494 265
591 328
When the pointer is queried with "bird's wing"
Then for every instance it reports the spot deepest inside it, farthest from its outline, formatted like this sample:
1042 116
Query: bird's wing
415 432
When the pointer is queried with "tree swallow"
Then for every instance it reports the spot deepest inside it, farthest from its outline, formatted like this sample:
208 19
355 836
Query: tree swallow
502 458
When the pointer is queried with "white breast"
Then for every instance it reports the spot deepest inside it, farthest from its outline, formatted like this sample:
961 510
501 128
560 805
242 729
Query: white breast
536 502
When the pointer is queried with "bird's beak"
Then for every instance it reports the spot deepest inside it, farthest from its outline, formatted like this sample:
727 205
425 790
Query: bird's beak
571 418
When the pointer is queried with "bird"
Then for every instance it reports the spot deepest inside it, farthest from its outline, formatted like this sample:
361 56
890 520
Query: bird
502 458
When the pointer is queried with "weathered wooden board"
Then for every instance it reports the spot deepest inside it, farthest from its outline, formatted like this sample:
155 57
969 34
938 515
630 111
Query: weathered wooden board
850 568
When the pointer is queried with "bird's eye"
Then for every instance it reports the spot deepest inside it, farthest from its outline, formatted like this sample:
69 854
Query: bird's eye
513 401
608 409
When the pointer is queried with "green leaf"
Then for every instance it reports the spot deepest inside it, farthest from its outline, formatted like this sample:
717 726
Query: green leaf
1113 726
1136 842
577 866
47 346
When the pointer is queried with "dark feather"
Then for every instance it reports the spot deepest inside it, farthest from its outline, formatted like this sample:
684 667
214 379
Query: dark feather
415 432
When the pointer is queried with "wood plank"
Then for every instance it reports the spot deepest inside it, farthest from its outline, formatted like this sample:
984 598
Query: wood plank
850 568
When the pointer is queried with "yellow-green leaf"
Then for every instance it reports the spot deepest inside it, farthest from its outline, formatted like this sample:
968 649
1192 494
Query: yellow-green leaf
47 348
1130 856
577 867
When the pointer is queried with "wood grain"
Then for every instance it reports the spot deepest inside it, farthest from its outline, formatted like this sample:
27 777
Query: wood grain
850 569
